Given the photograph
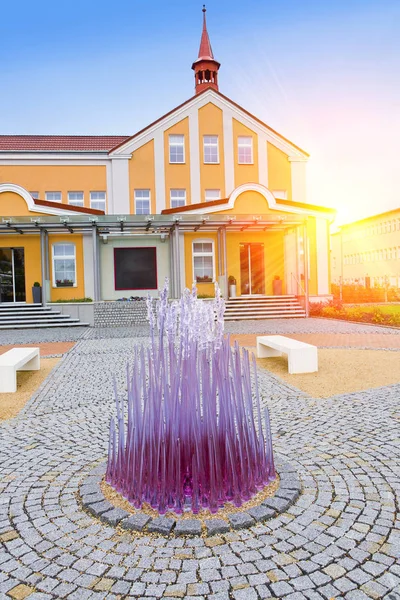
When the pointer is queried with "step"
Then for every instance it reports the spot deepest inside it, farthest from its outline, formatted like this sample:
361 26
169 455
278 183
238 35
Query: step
31 311
50 315
264 305
260 317
33 308
272 303
62 319
265 315
46 325
254 298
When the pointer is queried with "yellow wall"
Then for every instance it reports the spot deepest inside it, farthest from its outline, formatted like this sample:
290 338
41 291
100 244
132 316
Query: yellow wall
56 178
202 288
13 205
142 174
279 170
212 176
68 293
245 173
254 203
177 176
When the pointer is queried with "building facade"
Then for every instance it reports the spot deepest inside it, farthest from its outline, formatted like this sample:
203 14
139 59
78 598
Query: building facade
367 252
206 192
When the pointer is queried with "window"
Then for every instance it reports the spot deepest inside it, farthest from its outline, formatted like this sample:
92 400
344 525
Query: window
211 149
135 268
245 150
75 198
178 198
176 149
212 195
142 202
35 195
64 265
53 196
203 261
98 200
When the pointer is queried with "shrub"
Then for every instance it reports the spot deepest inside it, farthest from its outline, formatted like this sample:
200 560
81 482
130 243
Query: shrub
74 300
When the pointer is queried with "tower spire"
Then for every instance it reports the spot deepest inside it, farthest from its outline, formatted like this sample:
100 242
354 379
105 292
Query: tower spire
205 67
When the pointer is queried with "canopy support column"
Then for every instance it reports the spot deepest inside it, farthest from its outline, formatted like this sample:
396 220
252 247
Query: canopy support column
306 273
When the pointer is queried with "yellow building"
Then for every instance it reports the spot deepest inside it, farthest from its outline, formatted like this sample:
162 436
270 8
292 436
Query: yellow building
367 252
205 193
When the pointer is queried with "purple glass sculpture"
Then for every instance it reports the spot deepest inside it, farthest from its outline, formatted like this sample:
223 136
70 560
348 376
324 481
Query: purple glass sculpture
187 438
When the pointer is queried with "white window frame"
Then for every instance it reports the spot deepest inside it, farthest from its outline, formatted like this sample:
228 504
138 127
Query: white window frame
54 258
46 195
74 202
35 195
212 254
173 144
211 146
177 198
216 196
98 200
242 144
140 198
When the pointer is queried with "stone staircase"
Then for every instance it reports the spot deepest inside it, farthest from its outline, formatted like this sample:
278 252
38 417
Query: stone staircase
31 316
263 307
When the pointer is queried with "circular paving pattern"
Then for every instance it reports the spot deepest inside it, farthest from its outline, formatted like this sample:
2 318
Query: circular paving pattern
97 504
340 539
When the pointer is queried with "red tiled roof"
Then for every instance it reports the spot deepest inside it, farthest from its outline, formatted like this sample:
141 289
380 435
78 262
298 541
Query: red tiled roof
60 143
221 202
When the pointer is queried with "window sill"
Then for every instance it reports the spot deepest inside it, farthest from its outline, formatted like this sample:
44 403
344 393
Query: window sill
211 163
245 163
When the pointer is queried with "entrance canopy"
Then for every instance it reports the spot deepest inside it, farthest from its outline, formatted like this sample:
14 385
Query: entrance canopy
150 224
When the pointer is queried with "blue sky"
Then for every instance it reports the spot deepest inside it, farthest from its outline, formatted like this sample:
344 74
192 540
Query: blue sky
324 74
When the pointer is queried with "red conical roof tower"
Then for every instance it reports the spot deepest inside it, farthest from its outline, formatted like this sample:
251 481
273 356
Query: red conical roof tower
205 67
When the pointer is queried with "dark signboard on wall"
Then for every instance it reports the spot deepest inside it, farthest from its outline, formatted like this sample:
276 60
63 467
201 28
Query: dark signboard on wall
135 268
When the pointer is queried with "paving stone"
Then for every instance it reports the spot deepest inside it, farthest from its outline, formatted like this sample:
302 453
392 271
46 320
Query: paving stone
215 526
161 525
188 527
114 516
261 513
277 504
98 508
240 519
136 522
344 517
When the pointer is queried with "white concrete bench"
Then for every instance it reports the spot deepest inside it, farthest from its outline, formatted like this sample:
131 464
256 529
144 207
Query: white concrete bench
302 357
17 359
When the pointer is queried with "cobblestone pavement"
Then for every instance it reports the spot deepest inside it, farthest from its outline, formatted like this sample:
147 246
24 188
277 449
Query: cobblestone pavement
42 335
283 326
341 539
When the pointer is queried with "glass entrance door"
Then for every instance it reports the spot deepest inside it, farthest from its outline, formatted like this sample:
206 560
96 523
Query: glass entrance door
12 275
252 269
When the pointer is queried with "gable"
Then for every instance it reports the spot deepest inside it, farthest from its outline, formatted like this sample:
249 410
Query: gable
190 108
